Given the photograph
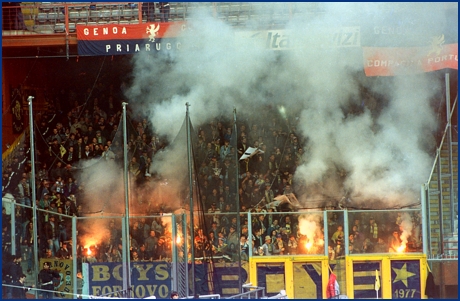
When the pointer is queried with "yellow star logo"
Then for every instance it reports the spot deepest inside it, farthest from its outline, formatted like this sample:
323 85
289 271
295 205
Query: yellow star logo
402 274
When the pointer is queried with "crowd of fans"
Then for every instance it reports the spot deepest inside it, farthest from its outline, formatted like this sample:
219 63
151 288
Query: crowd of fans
67 137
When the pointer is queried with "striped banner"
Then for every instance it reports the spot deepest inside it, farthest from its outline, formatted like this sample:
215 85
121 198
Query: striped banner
364 279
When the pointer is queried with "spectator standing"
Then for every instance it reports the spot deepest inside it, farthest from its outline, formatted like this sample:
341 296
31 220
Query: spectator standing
380 246
64 252
151 244
164 11
278 246
373 230
52 234
19 291
292 245
267 247
45 278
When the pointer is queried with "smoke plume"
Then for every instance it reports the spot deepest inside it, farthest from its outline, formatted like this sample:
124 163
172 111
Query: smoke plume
364 137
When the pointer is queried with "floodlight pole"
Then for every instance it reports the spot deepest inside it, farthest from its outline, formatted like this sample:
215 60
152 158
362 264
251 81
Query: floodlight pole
34 195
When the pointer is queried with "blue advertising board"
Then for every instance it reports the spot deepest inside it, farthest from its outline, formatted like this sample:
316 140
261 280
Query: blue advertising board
147 279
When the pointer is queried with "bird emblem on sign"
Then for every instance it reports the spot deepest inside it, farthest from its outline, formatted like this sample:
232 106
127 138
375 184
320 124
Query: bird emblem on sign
152 31
436 45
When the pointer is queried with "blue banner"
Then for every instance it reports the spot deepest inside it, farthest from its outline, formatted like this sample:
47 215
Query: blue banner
405 279
147 279
364 279
272 277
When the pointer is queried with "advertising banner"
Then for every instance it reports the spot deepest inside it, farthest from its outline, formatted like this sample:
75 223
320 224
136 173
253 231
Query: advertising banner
391 61
147 279
280 39
119 39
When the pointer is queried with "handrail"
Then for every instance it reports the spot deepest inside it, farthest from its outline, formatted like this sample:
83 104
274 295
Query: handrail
442 142
253 292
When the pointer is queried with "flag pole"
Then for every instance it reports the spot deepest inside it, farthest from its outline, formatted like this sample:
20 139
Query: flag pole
33 192
377 284
192 226
237 199
126 251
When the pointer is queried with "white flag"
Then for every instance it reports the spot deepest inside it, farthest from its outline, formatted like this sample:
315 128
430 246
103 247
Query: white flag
251 151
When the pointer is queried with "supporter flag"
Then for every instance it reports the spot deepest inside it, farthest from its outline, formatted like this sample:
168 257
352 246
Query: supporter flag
377 280
377 283
121 39
333 288
430 287
251 151
63 150
284 198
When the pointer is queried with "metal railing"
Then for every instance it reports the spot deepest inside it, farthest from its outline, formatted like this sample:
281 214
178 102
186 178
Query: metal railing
253 292
62 17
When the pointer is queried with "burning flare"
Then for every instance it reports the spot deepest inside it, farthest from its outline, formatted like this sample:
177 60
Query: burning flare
401 248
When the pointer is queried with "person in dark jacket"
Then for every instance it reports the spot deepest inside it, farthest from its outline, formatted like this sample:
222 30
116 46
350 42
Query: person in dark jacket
45 278
12 271
19 290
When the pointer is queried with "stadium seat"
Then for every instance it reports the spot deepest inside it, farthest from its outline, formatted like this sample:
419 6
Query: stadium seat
136 13
45 7
84 15
234 9
94 15
52 17
179 11
74 16
127 14
116 14
42 18
60 17
105 15
232 20
59 28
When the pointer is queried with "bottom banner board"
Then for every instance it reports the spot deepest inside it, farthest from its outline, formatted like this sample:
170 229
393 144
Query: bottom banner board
154 279
405 279
221 278
147 279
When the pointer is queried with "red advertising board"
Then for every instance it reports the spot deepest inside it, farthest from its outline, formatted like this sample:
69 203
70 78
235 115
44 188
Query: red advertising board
391 61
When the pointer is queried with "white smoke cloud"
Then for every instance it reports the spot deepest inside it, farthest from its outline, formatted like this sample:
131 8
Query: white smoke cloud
406 227
217 70
310 225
